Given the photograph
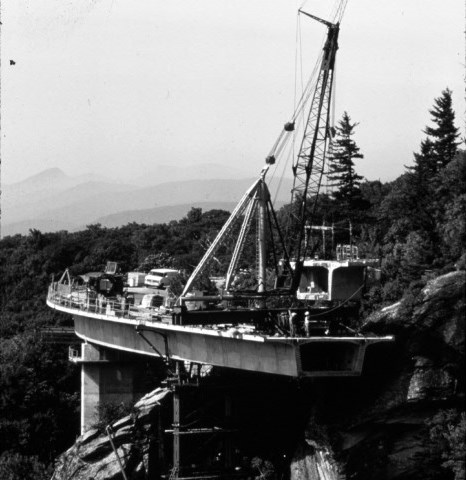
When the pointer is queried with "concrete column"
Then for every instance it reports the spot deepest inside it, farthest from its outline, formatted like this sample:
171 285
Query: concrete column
176 430
330 270
228 440
104 379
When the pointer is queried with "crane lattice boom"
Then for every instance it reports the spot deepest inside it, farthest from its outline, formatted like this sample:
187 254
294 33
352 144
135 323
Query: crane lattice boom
308 167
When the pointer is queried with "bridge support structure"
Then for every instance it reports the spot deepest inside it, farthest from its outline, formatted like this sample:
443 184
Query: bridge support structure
183 384
107 378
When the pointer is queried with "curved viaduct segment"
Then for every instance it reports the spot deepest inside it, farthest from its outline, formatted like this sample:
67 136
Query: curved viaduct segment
229 348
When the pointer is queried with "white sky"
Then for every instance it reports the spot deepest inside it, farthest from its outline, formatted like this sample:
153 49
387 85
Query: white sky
117 86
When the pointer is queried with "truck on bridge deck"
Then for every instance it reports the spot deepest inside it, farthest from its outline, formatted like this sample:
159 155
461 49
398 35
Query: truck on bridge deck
277 341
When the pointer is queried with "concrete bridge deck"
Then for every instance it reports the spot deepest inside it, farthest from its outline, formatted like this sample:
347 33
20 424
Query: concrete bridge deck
230 346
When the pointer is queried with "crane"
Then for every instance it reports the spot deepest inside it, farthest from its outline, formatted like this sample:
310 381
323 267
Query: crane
308 169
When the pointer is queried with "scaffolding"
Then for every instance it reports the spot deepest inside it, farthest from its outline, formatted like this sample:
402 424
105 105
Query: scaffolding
181 384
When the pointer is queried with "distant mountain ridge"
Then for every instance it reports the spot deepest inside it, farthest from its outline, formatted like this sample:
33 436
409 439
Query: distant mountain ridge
165 173
52 201
160 214
53 178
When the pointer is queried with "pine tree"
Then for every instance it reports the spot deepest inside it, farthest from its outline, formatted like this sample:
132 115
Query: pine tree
341 168
444 135
425 162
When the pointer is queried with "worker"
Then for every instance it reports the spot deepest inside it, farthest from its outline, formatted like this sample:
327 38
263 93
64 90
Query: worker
123 304
282 320
307 323
292 319
100 302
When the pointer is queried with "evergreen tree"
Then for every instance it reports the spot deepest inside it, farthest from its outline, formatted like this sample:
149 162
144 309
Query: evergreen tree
419 201
341 169
444 135
425 162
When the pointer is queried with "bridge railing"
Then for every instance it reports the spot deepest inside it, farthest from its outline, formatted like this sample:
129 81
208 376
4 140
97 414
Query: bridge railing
281 321
82 299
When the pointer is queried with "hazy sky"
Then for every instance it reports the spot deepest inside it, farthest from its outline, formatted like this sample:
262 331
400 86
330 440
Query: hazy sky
116 86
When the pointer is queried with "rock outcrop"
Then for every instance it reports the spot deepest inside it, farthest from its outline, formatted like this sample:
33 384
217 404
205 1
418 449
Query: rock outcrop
134 437
386 424
314 461
430 329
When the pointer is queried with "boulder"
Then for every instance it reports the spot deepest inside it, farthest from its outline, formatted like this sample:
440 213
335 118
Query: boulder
133 437
314 462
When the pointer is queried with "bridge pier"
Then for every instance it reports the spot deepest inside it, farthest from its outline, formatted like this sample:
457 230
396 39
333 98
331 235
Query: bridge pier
107 377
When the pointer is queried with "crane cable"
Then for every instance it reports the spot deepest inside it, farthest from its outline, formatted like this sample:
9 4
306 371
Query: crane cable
283 139
341 304
307 91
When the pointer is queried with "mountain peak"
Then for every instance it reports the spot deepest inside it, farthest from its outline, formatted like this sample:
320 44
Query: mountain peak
53 172
50 174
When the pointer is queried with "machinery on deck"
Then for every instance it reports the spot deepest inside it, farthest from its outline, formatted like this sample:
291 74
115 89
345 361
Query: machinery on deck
297 278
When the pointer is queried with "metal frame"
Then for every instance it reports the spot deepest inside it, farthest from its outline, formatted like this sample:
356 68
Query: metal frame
309 165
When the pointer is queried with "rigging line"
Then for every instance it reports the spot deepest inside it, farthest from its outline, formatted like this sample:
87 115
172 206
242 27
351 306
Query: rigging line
343 9
282 176
280 155
109 432
286 152
338 10
302 101
293 143
268 206
334 11
302 122
332 126
301 53
341 304
296 61
276 144
306 91
282 139
333 94
301 104
273 173
298 111
283 147
279 158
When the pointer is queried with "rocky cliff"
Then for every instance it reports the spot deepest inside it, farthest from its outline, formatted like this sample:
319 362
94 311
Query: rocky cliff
402 419
132 442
